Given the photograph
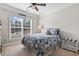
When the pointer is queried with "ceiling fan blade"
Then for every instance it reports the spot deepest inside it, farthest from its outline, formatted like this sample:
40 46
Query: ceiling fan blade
33 3
41 4
30 6
36 9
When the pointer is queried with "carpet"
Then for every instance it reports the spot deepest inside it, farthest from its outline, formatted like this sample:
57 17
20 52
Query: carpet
19 50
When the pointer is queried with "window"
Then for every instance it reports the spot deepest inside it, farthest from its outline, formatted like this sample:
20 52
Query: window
19 27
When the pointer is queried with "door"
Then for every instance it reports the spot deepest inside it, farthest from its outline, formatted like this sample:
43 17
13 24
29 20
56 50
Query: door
19 26
16 28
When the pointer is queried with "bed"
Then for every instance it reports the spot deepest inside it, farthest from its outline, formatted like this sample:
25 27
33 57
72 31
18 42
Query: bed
42 44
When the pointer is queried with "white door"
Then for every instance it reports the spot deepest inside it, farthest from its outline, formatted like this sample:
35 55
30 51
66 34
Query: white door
19 26
16 28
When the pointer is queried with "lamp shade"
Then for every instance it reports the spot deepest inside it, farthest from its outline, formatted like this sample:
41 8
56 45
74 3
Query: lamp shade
40 27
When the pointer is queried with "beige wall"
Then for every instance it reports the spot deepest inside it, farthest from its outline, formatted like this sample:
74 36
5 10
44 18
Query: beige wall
67 20
5 13
4 19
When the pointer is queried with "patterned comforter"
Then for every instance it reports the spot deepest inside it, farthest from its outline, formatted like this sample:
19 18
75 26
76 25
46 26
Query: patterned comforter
41 44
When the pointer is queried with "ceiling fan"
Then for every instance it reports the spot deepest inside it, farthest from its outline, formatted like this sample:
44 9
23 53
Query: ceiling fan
35 5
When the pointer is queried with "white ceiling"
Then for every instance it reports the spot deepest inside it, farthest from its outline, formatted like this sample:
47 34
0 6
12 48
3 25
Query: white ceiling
42 9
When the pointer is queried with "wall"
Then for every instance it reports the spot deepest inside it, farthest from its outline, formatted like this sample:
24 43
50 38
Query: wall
66 19
4 19
5 13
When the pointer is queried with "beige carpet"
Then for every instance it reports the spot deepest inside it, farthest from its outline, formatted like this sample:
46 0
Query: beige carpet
19 50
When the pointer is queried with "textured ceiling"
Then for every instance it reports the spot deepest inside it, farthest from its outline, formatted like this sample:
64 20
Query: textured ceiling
42 9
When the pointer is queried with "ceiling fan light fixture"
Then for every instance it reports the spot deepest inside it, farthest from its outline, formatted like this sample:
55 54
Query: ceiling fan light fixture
34 6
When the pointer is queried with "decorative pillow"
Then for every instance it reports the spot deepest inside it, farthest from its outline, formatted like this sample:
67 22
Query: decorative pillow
54 31
48 31
44 31
51 31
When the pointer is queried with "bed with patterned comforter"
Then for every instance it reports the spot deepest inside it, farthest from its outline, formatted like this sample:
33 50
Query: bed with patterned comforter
41 44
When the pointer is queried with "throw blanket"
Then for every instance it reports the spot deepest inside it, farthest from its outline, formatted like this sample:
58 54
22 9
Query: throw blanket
41 44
